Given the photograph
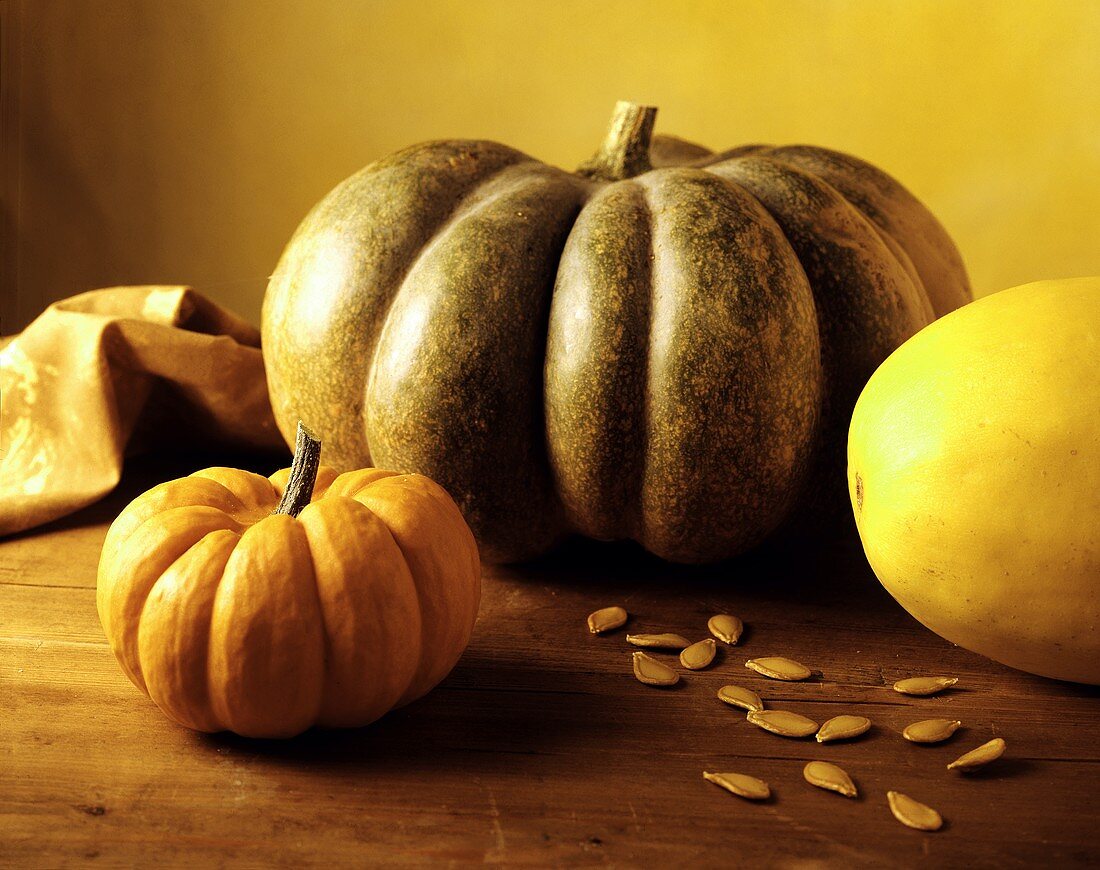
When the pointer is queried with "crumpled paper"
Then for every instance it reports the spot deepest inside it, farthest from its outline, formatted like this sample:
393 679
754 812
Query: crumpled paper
113 371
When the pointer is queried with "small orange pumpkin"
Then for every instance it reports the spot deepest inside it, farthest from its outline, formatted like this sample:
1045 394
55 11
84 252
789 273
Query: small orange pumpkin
265 606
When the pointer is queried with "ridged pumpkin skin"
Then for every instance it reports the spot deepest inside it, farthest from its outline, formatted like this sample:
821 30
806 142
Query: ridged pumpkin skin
669 358
974 473
233 618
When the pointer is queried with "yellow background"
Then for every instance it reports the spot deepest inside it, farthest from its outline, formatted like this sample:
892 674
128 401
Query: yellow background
182 141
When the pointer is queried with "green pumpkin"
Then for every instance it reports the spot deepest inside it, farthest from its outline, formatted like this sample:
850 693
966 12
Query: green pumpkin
663 346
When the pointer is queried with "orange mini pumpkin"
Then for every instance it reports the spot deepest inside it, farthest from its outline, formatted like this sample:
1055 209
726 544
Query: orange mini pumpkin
265 606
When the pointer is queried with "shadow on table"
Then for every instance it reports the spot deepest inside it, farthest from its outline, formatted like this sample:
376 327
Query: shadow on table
487 712
811 568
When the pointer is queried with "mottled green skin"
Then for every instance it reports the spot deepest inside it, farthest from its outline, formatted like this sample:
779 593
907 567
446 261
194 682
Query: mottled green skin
406 325
682 369
866 300
456 386
671 358
898 215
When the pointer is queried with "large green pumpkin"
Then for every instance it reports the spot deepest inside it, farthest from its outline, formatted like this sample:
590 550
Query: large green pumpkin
663 346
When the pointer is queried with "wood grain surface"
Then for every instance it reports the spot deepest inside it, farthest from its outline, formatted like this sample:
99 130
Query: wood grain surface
541 748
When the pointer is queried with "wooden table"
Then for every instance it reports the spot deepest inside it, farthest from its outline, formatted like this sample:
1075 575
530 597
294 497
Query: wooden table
541 748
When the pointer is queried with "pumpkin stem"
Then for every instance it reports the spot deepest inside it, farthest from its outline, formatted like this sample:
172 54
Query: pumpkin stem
303 473
625 151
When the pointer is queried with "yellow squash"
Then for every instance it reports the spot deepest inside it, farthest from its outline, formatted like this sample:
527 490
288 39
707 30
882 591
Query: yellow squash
974 473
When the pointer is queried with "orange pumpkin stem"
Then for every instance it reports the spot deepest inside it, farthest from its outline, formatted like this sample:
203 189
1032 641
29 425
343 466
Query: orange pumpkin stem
625 151
303 473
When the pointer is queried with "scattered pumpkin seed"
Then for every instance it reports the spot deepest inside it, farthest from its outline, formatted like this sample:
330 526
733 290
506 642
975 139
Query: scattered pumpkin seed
782 722
924 685
698 655
779 668
829 777
606 619
843 728
740 784
913 813
652 672
659 641
984 754
726 628
931 730
739 697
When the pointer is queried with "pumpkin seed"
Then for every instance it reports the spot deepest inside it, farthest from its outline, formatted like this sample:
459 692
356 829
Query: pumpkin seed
748 787
830 777
913 813
606 619
984 754
652 672
924 685
843 728
726 628
698 655
659 641
779 668
739 697
931 730
782 722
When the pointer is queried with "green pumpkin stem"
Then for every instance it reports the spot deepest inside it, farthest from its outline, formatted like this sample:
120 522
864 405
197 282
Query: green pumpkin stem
303 473
625 151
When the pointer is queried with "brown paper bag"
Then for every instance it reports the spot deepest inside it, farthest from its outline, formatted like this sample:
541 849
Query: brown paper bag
108 369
